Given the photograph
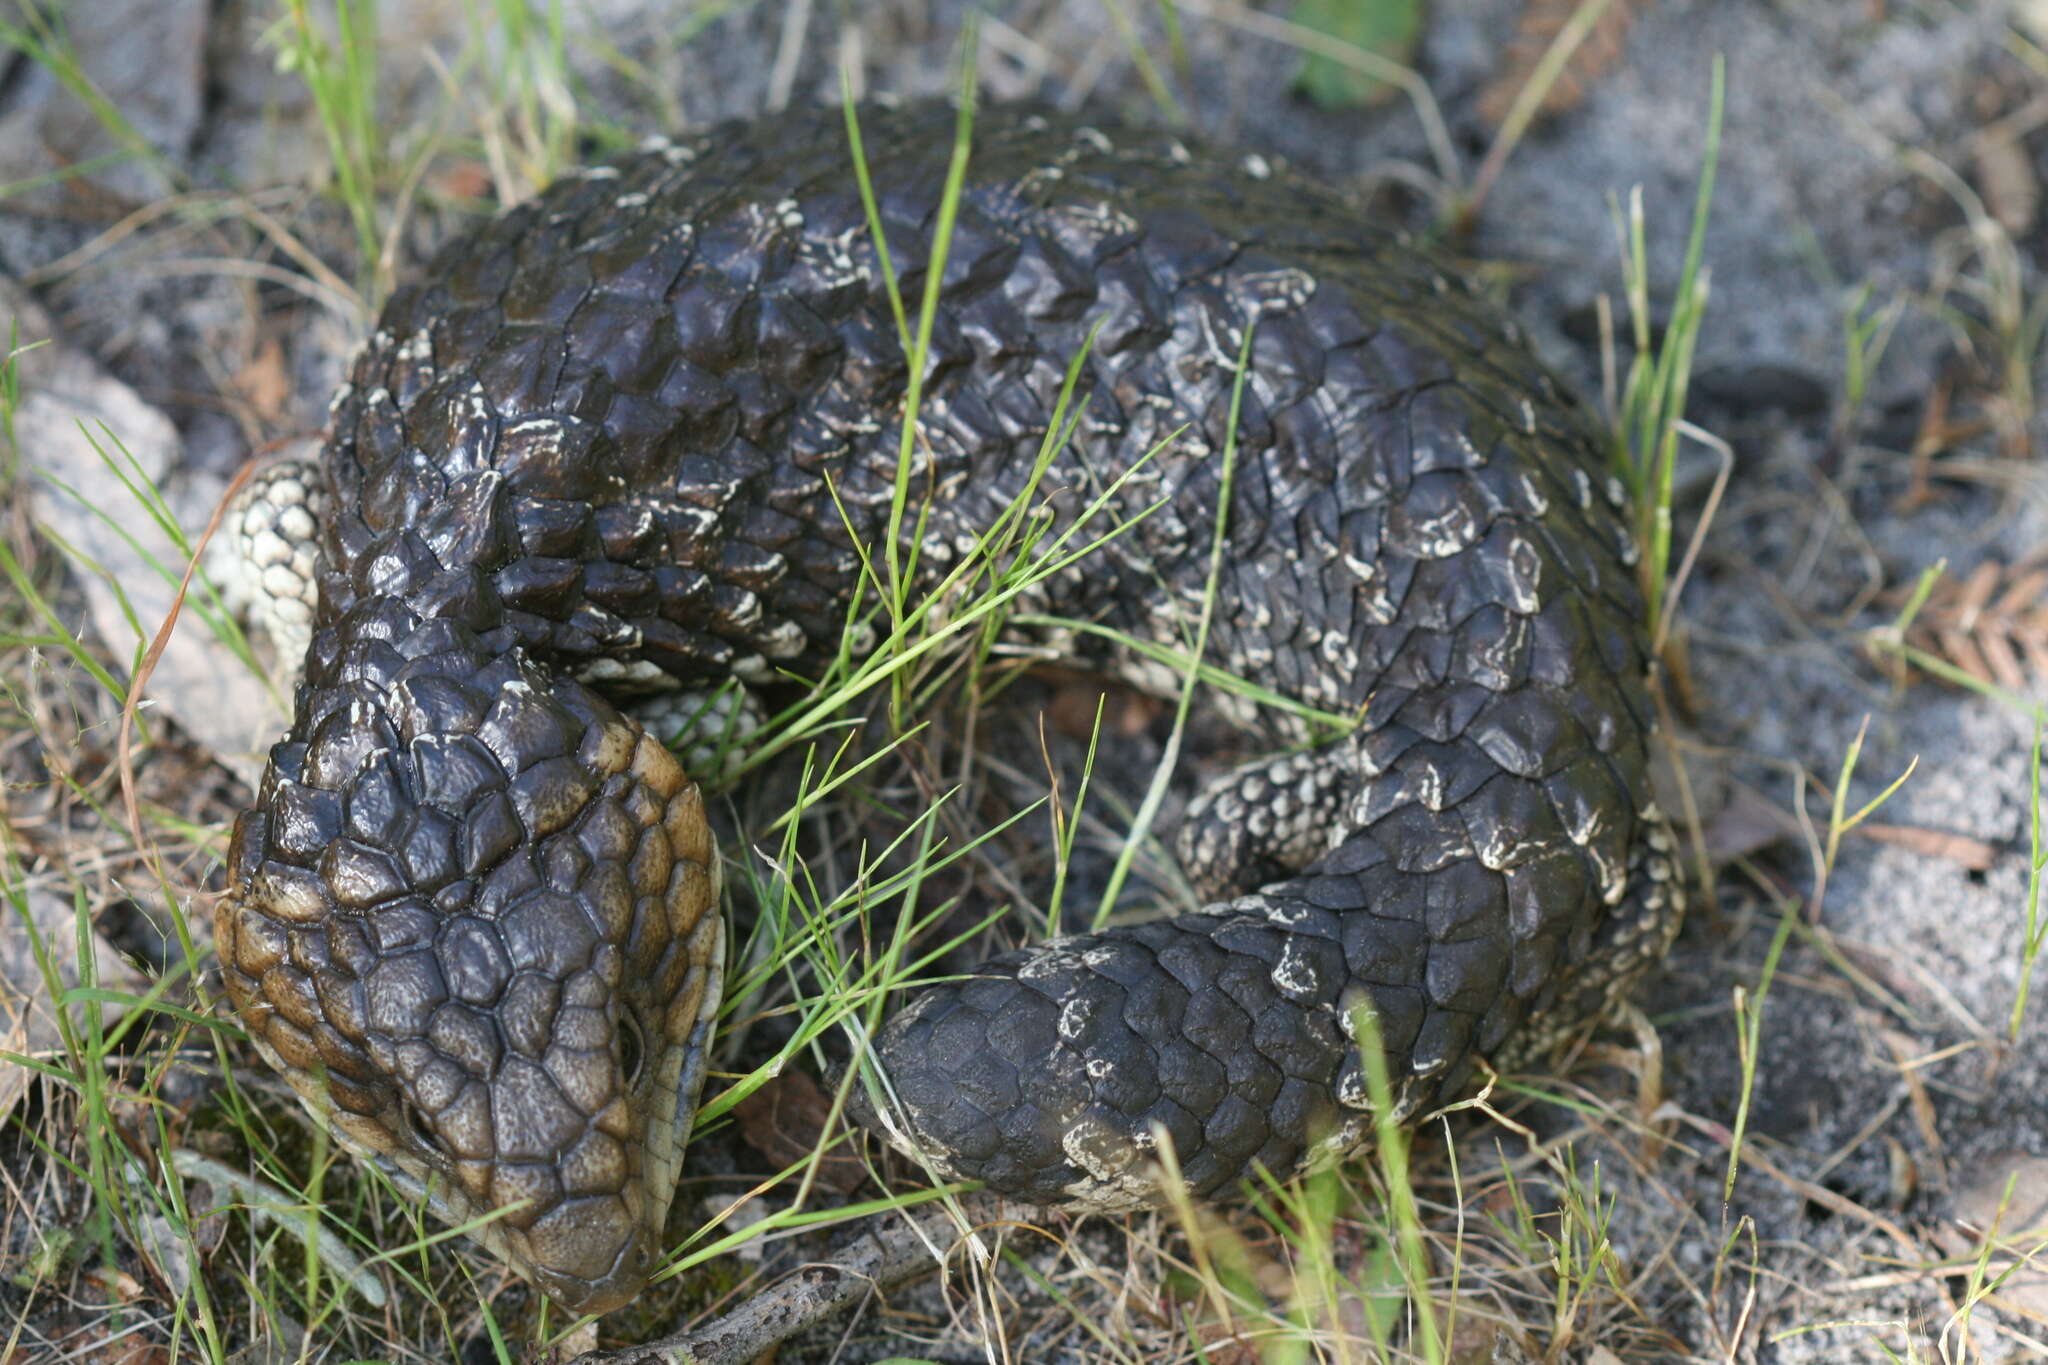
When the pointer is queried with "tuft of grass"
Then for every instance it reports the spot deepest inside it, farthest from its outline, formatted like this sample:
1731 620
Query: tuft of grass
1980 291
340 73
1651 406
99 1090
510 86
2023 1251
917 347
1749 1001
1866 331
528 78
1573 1243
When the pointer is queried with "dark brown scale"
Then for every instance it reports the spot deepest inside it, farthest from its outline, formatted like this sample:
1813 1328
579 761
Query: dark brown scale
610 424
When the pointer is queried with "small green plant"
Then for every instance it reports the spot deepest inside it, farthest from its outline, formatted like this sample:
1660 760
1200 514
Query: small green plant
1386 28
516 87
1571 1242
1749 1002
2022 1251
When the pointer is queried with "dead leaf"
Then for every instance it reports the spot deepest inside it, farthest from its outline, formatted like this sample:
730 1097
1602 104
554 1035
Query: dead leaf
1973 854
264 382
120 1286
1992 624
1474 1341
462 180
1125 711
2012 188
1902 1173
1535 31
1748 823
1224 1343
785 1121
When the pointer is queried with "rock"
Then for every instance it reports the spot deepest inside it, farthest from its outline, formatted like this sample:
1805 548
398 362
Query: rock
73 420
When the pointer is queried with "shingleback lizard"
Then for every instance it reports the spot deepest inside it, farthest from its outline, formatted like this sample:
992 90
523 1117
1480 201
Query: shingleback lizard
629 434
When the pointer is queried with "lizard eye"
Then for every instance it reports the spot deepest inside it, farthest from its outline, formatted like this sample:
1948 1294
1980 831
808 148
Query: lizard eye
418 1128
632 1049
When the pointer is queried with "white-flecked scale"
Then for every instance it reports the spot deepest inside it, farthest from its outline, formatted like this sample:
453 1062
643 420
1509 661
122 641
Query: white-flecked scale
1295 975
1348 1139
1076 1013
605 671
1597 983
1118 1177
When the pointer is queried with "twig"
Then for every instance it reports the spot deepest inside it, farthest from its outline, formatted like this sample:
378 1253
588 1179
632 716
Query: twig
892 1251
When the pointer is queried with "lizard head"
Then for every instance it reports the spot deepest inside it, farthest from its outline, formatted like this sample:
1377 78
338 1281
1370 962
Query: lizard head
473 922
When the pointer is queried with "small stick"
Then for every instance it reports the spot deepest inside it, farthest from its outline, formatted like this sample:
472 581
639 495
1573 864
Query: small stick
890 1253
